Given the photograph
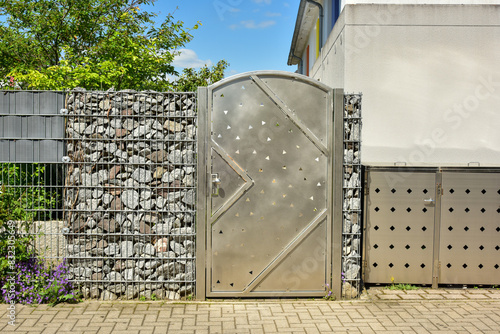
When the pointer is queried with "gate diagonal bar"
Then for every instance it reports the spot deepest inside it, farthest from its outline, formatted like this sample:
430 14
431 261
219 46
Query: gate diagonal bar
122 197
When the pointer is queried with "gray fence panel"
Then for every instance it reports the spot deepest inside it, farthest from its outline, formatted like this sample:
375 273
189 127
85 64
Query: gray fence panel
31 126
31 150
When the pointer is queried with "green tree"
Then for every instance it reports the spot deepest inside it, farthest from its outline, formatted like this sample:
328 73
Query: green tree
95 44
191 79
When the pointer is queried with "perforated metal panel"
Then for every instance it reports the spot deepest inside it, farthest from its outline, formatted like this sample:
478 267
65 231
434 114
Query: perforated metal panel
470 228
400 227
269 216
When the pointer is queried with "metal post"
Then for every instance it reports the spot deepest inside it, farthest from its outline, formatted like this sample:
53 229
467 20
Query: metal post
437 230
338 157
201 227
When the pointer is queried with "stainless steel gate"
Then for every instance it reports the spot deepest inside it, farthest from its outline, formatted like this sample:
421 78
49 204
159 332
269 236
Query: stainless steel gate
434 226
268 171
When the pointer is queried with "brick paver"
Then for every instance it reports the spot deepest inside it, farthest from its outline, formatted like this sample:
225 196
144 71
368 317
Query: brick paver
418 311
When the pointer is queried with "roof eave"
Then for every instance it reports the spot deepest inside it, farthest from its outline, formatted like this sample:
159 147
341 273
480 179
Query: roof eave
292 58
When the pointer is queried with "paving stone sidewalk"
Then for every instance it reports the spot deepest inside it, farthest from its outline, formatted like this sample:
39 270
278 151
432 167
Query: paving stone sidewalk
378 311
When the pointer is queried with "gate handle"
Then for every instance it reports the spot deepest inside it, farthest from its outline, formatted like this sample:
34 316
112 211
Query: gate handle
215 184
429 200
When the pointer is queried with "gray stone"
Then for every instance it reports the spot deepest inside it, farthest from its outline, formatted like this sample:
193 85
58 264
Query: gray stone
95 293
127 248
84 194
172 126
177 248
162 228
149 249
107 199
147 204
176 174
160 202
141 131
355 228
190 197
188 181
175 157
131 183
128 124
97 193
138 248
151 265
186 290
128 274
189 246
79 127
138 160
130 198
121 154
188 157
117 288
142 175
112 250
114 276
131 292
108 295
172 295
146 194
352 272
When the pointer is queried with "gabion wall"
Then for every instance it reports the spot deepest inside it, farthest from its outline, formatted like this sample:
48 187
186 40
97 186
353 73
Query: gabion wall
129 201
352 192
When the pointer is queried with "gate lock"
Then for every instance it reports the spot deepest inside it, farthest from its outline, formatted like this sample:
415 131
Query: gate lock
215 184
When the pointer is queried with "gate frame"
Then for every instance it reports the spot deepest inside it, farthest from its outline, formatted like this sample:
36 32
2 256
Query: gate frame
334 191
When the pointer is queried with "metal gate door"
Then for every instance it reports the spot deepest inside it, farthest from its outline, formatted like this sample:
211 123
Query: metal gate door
400 227
470 228
268 180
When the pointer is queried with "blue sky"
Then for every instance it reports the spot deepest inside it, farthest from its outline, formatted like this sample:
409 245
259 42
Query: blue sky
250 34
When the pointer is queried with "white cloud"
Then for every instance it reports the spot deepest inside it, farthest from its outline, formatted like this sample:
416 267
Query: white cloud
250 24
267 2
269 14
189 58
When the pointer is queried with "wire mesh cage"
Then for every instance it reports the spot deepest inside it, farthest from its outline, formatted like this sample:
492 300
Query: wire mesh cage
130 194
352 192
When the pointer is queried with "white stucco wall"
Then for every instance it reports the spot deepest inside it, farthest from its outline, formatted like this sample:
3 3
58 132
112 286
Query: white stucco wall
430 78
421 2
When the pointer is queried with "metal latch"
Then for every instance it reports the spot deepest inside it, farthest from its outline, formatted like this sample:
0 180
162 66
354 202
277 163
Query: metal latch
429 200
215 184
